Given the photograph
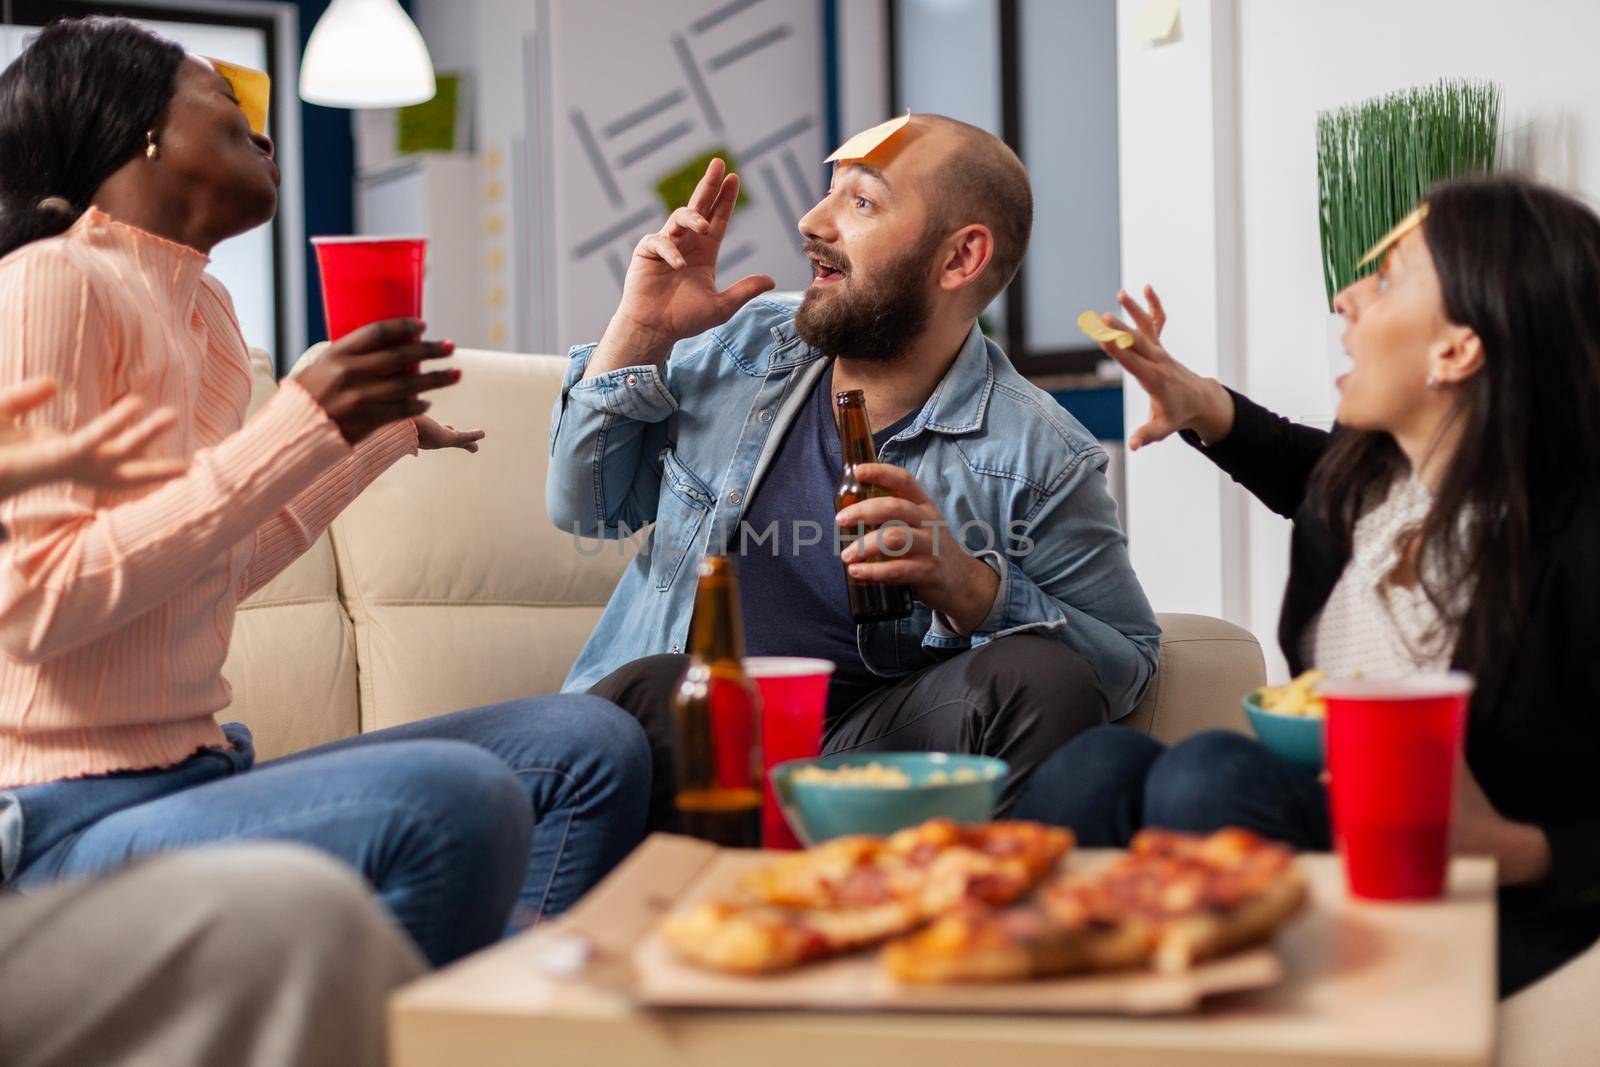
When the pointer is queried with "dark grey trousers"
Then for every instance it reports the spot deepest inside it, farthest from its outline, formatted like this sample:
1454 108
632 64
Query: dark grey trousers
1017 698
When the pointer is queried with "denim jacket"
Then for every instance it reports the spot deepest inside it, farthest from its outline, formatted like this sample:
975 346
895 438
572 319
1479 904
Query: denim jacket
684 447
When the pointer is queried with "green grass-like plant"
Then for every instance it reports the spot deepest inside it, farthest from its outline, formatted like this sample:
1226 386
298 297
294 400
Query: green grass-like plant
1378 159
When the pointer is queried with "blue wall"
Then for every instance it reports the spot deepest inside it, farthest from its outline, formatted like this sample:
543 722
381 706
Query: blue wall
328 156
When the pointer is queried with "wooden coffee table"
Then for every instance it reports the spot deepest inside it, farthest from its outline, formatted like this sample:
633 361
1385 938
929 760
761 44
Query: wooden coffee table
1367 984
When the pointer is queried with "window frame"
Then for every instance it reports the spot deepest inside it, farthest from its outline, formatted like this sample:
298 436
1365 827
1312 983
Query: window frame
279 23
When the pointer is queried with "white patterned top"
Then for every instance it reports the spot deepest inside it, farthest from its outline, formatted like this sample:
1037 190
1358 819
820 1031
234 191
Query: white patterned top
1371 626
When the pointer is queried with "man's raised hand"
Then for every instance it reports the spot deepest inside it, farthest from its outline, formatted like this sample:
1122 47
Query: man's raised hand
670 291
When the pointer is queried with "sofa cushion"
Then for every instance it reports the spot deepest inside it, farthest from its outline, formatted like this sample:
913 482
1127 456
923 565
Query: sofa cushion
461 591
292 661
1207 666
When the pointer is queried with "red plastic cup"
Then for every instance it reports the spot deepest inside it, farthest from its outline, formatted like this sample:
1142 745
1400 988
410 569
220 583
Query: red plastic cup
794 702
367 279
1392 750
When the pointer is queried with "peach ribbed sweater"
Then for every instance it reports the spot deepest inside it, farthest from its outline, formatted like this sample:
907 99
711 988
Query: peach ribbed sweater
116 608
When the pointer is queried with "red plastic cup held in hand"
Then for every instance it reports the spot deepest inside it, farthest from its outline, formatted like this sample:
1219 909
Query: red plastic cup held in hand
368 279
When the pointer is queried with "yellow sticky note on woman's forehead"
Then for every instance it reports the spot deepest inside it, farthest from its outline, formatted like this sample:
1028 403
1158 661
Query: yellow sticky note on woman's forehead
1092 324
1392 238
252 87
867 142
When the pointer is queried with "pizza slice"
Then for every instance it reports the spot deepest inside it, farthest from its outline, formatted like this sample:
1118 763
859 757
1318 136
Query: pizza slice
764 939
1197 897
1014 945
846 872
937 866
1171 902
950 865
856 892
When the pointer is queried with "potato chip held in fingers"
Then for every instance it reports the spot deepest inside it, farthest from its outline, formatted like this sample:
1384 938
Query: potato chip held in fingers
1094 326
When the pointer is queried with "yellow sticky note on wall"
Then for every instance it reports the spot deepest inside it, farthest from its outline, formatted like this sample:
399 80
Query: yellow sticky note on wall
867 142
252 87
1157 22
1392 238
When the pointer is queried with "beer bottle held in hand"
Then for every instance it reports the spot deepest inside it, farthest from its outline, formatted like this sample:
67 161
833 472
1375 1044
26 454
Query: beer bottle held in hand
717 713
869 601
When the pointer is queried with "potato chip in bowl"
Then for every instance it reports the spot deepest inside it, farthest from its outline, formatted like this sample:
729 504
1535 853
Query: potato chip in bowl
1299 697
1289 718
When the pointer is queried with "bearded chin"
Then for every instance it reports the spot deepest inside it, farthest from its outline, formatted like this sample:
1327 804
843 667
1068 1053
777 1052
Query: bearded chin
877 322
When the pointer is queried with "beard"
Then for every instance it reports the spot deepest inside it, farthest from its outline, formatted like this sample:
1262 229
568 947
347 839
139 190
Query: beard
870 318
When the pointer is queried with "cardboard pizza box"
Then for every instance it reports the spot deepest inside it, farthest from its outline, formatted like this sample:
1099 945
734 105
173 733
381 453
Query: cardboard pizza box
667 873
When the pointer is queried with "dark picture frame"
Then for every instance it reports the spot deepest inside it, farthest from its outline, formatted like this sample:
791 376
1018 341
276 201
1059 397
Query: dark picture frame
1031 360
43 12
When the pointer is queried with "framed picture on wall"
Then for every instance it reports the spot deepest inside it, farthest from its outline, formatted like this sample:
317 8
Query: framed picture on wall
264 270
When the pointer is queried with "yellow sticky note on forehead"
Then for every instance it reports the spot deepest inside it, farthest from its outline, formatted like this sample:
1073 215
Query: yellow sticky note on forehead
1092 324
867 142
1390 239
252 87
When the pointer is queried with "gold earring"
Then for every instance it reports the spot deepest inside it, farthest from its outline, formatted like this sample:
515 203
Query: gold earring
150 149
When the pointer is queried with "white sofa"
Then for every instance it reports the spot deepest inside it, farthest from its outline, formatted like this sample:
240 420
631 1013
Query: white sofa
445 586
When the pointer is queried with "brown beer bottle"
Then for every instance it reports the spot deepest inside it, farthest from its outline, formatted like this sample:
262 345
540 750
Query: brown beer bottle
869 601
717 712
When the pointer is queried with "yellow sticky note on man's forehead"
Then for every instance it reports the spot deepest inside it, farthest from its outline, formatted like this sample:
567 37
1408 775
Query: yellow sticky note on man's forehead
252 87
867 142
1392 238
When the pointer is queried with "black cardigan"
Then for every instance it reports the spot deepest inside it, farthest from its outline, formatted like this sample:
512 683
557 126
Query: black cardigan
1533 730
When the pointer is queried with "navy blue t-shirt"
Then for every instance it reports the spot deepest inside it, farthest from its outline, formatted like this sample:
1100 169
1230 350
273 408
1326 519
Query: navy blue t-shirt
792 592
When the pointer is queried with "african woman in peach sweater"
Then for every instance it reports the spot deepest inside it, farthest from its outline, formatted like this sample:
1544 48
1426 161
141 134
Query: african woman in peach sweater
125 162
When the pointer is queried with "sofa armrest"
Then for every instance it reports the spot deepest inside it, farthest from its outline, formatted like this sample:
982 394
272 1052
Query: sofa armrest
1207 665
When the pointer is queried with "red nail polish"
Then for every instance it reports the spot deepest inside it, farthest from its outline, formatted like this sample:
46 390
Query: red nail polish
455 375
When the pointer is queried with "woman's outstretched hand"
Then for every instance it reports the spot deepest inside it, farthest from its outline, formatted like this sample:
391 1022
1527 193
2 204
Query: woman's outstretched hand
109 452
372 376
431 434
1180 399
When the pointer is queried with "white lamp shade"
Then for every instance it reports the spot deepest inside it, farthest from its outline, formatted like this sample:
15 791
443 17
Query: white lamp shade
366 53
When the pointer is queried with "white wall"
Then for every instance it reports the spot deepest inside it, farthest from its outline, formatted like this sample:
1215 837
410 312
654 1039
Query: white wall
1292 60
582 106
1177 177
863 78
490 41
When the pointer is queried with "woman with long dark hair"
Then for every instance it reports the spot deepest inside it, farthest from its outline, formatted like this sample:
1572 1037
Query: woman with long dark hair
1451 519
123 162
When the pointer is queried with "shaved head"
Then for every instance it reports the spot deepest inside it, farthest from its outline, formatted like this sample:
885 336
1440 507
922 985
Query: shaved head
979 179
920 233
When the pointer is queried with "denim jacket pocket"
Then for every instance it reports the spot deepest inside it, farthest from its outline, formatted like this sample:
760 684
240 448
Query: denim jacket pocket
680 516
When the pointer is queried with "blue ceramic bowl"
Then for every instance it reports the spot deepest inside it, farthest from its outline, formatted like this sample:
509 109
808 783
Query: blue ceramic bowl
1297 738
819 811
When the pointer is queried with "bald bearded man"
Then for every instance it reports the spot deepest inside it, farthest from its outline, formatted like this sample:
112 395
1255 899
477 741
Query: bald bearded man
709 413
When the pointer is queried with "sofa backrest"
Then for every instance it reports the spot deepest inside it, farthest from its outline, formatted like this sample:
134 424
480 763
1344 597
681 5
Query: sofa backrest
292 662
460 590
1207 666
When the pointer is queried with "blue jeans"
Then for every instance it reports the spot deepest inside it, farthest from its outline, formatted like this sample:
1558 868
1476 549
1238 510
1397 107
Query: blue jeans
454 820
1112 781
